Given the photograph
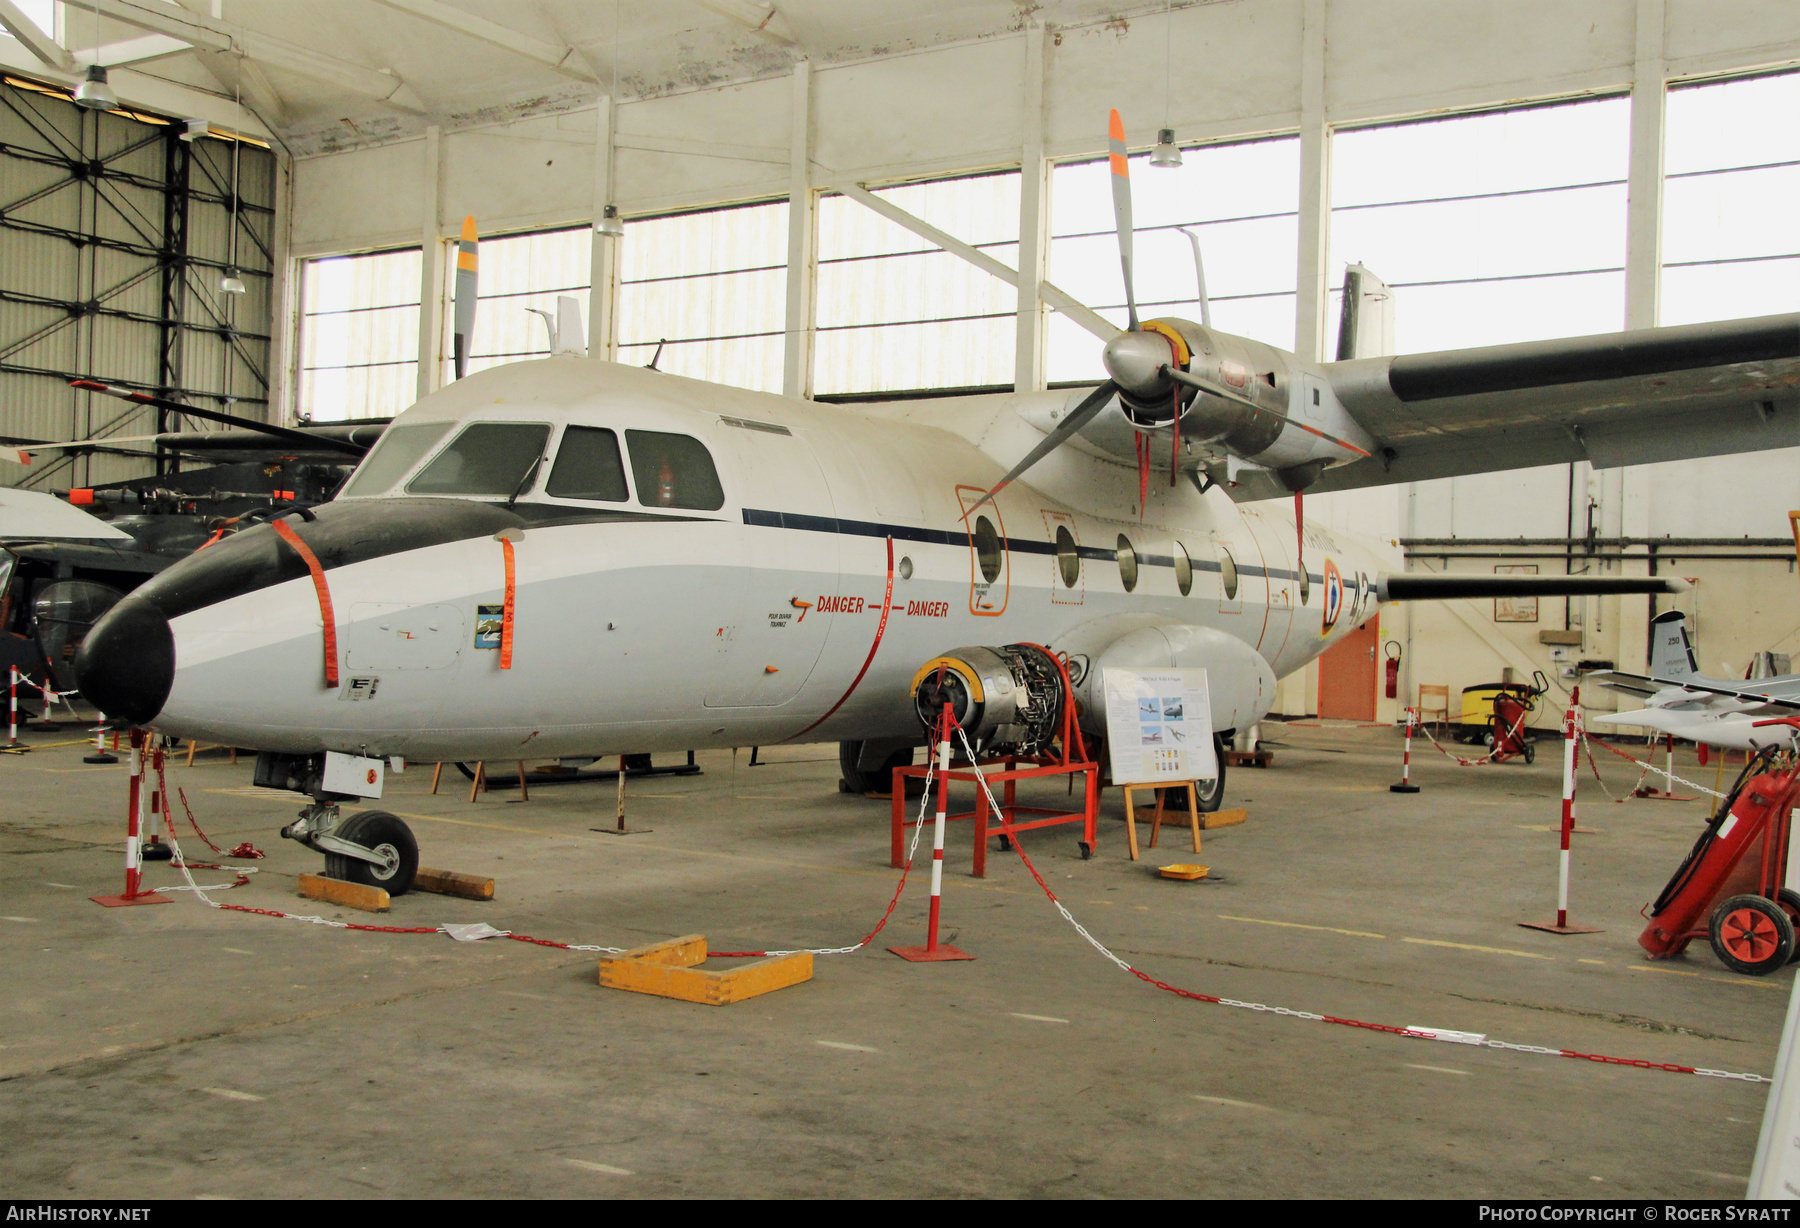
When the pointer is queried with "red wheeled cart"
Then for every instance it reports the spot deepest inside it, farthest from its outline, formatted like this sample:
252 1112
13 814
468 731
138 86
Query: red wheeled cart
1730 890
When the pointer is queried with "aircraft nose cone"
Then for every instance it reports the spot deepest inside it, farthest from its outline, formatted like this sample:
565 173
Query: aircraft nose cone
1134 360
126 666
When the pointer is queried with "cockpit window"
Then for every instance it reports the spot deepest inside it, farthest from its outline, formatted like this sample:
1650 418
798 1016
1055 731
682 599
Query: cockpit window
588 466
398 449
674 471
488 458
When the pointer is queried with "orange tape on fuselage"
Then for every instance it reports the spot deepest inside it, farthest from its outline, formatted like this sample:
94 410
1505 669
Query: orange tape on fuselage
506 613
326 615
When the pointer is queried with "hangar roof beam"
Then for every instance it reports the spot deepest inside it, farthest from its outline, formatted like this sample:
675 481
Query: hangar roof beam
763 19
1060 299
33 39
209 34
552 55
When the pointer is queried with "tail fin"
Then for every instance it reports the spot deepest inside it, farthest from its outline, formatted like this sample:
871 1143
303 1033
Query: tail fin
1671 656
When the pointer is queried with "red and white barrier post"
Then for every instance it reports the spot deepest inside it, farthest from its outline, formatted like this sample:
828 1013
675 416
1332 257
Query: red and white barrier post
931 952
134 816
1406 785
1571 747
12 700
101 754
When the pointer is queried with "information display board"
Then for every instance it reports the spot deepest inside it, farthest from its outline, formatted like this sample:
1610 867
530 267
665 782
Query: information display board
1159 726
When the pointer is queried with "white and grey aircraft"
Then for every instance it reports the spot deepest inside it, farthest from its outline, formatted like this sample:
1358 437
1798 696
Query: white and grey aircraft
1680 700
569 557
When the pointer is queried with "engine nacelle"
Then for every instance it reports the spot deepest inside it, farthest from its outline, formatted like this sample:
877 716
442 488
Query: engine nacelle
1006 699
1239 683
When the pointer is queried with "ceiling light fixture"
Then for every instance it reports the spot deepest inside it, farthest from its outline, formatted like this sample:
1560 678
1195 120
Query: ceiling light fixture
610 224
231 283
196 128
95 93
1165 153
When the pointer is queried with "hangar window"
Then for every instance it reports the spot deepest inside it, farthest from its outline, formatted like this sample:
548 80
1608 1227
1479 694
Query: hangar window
1068 557
488 458
394 455
674 471
519 272
1242 199
1184 570
1228 574
895 312
1731 199
987 549
588 466
713 285
359 335
1493 227
1128 563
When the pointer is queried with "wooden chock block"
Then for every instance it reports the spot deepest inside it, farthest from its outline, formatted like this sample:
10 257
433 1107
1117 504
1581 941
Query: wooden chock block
669 970
449 882
1218 818
350 895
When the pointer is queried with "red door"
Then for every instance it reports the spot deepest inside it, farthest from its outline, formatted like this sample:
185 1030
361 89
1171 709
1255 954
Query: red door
1347 675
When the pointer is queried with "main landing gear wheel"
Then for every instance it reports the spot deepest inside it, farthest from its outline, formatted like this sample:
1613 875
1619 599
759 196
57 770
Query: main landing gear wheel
877 781
388 838
1751 934
1209 795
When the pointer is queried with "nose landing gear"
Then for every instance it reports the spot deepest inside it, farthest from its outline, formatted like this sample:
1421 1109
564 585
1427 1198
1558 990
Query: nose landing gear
374 848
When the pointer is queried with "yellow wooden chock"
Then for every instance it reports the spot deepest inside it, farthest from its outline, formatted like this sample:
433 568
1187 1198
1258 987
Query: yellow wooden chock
668 970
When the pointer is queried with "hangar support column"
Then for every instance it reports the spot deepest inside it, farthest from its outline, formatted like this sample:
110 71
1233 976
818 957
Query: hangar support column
1312 261
1034 193
603 253
796 375
1643 235
431 266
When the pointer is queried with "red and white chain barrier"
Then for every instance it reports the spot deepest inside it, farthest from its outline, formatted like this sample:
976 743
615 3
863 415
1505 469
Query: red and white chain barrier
467 933
1412 1033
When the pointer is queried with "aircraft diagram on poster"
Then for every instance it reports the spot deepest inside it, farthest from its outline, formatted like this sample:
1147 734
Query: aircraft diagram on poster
1159 726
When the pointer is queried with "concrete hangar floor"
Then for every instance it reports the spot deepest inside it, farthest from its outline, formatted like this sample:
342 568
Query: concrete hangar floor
177 1051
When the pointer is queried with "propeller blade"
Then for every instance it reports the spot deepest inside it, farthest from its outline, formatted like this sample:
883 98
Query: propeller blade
1199 278
1121 188
463 331
1078 417
213 415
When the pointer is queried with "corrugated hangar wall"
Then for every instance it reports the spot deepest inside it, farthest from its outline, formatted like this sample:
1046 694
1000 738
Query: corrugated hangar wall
114 235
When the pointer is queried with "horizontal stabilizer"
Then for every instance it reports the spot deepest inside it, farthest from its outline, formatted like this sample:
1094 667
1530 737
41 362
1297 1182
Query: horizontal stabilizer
1442 586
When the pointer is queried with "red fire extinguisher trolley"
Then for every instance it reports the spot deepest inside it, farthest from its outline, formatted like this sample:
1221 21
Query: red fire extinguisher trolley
1730 888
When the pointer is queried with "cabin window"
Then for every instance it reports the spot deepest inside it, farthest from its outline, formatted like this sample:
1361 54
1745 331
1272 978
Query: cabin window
488 458
1228 574
1068 558
674 471
398 450
1128 563
1184 570
987 549
588 467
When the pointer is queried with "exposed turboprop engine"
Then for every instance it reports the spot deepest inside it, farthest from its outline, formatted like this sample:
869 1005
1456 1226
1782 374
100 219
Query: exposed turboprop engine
1007 699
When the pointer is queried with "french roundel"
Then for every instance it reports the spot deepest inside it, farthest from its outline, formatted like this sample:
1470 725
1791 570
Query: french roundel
1334 597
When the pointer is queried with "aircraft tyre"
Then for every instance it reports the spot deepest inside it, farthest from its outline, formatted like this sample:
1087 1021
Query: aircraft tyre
1210 794
1789 899
379 832
1751 934
877 781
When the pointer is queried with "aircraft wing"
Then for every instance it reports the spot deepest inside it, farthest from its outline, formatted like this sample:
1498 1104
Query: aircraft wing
1767 699
1630 684
1617 399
